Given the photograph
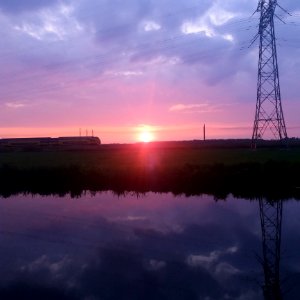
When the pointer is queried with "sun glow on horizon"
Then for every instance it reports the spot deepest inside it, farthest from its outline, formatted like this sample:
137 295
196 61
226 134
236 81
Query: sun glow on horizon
145 134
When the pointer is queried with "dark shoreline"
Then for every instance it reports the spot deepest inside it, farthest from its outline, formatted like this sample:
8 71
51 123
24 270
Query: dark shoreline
178 167
249 180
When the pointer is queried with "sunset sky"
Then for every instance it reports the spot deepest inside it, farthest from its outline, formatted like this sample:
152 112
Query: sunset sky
122 67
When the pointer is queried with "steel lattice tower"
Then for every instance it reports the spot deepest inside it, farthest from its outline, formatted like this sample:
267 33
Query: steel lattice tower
271 217
268 114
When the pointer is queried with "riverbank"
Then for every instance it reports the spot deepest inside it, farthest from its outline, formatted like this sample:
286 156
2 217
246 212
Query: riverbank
180 168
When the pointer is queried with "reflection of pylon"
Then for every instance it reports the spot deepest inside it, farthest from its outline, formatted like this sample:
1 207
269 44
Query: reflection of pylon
268 114
271 216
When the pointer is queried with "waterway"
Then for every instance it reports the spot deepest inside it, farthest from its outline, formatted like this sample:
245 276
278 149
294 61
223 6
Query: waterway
150 246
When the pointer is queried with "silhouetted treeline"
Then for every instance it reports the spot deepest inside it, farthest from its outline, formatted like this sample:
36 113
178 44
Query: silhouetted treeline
272 179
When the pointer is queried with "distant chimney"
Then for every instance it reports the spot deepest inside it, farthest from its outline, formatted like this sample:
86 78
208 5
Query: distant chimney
204 133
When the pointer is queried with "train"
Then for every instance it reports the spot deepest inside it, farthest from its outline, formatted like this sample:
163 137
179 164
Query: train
49 142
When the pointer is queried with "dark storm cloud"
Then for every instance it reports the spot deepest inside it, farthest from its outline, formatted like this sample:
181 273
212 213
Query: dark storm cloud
17 6
171 15
110 14
118 28
118 22
53 50
214 52
112 20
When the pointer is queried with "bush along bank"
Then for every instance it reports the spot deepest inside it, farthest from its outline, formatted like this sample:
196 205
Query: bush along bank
272 180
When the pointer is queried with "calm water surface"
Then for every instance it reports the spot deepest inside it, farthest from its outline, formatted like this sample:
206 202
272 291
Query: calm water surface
154 246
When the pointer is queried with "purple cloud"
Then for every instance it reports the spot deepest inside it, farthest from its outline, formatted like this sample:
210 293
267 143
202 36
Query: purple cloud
15 6
75 52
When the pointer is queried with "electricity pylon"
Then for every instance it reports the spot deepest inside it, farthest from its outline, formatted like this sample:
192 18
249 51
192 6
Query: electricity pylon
271 217
268 114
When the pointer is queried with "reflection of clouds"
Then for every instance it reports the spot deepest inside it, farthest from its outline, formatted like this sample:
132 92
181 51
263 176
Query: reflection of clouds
225 269
201 260
43 271
43 262
156 264
125 275
214 264
129 219
188 248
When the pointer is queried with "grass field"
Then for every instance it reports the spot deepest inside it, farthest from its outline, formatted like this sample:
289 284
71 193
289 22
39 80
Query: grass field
159 167
127 156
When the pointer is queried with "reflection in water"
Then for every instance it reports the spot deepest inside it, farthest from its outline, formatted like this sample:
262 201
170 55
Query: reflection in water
271 220
150 247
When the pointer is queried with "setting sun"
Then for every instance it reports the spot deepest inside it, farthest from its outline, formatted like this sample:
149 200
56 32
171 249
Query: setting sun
145 134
